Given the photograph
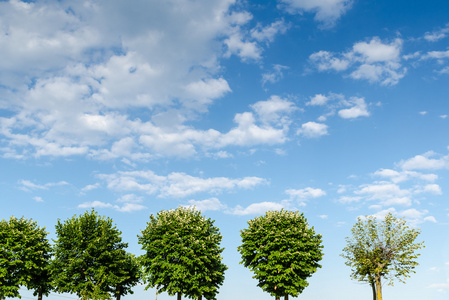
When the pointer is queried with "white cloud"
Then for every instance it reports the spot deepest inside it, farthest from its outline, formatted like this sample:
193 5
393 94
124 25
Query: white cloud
376 51
207 204
434 189
176 185
274 110
312 130
126 207
426 162
129 207
305 194
437 35
413 216
38 199
27 185
386 193
256 208
325 61
91 64
396 176
130 198
349 199
248 133
430 219
267 33
358 109
95 204
436 55
90 187
318 99
375 61
274 76
327 12
245 49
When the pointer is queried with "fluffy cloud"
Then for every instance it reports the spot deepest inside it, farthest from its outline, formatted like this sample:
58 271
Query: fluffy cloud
327 12
305 194
275 75
126 207
325 61
274 110
72 72
401 176
374 61
426 161
27 185
313 129
347 108
318 99
386 193
267 33
358 108
437 35
175 185
256 208
207 204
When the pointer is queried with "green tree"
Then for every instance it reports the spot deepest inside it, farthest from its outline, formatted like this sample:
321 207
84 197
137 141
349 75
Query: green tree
25 254
282 251
182 254
90 258
381 249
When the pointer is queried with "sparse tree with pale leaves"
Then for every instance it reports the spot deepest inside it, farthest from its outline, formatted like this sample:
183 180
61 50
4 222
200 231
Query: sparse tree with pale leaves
383 249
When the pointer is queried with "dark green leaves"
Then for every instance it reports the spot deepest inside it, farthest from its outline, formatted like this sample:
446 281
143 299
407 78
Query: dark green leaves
24 257
90 258
182 254
282 251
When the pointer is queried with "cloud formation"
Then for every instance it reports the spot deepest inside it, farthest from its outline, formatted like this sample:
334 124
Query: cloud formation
175 185
375 61
327 12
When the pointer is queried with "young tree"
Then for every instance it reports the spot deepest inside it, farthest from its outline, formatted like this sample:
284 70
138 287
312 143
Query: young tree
90 258
182 254
381 249
282 251
24 258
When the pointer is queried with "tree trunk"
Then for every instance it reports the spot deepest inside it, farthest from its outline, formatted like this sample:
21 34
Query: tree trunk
200 297
286 297
373 288
277 298
39 295
378 287
179 295
117 297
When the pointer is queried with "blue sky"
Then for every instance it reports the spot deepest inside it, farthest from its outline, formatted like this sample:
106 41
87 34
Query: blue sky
335 108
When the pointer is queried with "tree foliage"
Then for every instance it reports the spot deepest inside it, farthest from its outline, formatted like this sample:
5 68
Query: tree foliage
25 254
381 249
90 258
182 254
282 251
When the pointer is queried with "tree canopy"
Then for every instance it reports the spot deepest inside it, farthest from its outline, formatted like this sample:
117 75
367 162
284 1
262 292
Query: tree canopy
24 258
182 254
381 249
90 258
282 251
